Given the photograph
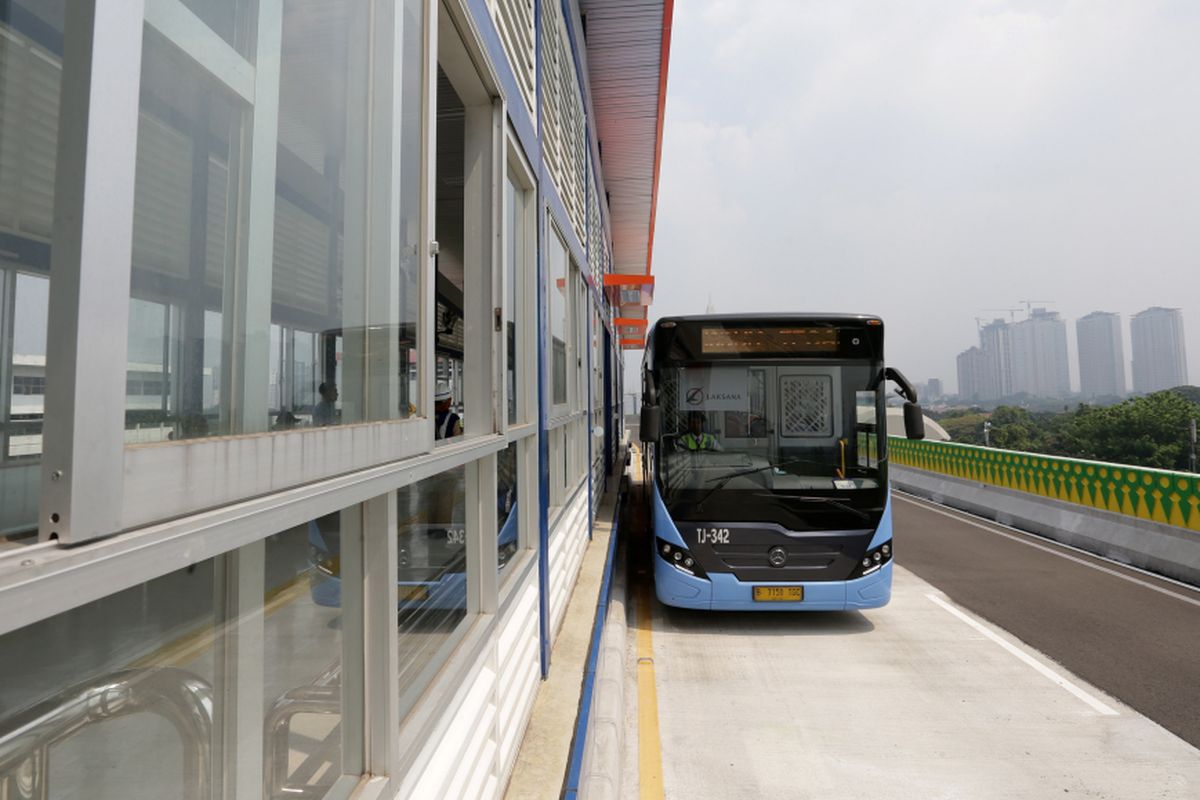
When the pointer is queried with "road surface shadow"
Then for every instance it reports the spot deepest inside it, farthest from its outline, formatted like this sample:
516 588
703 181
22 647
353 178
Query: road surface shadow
766 623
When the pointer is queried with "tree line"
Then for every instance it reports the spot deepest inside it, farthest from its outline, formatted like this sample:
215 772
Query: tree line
1148 431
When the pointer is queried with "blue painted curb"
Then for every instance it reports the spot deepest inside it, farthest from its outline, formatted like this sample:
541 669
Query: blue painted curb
579 741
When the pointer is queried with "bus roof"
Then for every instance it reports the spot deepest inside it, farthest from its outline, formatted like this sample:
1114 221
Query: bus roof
790 317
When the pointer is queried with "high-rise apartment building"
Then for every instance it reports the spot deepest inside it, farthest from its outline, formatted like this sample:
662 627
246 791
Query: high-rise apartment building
1159 356
1038 347
971 369
1101 355
996 345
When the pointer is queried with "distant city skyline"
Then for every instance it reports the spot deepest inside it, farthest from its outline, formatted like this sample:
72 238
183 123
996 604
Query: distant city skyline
924 165
1034 354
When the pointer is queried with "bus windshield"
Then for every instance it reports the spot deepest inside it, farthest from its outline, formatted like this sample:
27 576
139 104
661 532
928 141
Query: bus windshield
795 443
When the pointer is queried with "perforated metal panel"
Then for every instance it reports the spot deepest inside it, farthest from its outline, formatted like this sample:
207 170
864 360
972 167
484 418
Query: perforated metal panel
29 82
563 129
668 401
514 21
806 405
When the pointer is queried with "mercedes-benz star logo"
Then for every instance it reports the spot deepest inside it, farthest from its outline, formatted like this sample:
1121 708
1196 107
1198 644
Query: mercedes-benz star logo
777 557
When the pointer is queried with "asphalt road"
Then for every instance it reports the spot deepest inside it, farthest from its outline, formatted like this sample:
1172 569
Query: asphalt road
1135 636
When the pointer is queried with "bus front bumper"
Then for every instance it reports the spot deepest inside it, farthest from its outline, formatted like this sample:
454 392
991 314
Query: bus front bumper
724 592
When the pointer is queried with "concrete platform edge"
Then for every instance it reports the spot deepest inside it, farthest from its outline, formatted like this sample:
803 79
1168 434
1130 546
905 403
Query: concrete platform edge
601 773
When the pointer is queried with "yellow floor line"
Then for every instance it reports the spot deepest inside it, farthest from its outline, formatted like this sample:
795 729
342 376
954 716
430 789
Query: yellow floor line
186 648
649 744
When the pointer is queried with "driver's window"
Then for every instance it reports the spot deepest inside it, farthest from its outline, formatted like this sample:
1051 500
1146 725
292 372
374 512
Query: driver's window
866 429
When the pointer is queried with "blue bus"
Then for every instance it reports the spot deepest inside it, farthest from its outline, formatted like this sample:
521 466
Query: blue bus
431 542
766 451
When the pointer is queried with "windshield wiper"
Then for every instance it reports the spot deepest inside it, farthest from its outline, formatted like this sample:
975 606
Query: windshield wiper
727 478
806 498
721 480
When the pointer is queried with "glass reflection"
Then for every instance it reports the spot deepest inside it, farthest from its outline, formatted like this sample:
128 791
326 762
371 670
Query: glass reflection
451 260
514 230
186 202
124 697
558 316
30 79
431 571
507 516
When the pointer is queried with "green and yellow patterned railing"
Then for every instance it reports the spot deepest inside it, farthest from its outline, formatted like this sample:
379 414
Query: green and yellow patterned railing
1172 498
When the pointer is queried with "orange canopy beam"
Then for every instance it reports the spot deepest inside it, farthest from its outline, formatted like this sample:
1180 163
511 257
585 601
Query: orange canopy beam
618 279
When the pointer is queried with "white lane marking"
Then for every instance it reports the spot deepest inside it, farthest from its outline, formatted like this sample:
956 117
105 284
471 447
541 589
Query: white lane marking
1028 659
992 528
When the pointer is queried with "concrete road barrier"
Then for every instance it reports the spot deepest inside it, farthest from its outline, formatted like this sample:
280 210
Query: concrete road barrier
1164 549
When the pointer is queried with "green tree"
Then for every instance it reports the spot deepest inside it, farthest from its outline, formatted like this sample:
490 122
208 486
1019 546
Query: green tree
1148 431
965 428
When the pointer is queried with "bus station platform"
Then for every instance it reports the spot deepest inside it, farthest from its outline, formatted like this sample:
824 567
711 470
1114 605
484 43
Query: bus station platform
951 690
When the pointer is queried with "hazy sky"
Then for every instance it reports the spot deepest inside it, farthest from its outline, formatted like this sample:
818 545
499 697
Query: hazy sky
929 159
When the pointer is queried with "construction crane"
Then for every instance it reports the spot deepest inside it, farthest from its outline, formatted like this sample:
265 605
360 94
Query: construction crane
1012 312
1029 305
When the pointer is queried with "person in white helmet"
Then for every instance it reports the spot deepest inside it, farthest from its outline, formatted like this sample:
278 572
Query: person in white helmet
447 423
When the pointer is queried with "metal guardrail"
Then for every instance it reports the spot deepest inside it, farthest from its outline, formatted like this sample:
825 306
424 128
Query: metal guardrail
1171 498
175 695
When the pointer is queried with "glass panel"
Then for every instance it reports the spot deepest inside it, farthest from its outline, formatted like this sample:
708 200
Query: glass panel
432 574
412 162
337 357
302 654
128 690
557 291
508 524
31 41
28 367
451 259
185 207
514 236
232 20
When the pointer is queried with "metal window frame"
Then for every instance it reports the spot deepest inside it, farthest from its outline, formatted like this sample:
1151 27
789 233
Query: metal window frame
83 425
518 172
281 479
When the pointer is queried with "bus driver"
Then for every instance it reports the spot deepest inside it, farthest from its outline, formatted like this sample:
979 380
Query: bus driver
696 439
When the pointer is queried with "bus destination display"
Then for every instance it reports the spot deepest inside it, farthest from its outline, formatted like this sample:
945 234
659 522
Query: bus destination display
742 341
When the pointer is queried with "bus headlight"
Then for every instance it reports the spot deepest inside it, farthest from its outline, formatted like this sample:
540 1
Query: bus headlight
680 558
872 561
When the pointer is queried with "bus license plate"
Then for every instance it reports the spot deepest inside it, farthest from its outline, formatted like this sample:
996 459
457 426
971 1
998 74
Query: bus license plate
778 594
413 593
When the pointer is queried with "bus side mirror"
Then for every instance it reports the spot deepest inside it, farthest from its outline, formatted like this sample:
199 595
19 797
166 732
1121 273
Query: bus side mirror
651 423
914 421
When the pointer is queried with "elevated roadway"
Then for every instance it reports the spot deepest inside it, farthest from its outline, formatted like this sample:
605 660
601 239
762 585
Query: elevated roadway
1004 667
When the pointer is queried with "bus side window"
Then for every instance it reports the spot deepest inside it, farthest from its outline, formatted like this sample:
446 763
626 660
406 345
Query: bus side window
867 441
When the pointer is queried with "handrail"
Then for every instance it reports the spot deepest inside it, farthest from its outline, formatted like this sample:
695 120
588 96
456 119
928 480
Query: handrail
178 696
323 696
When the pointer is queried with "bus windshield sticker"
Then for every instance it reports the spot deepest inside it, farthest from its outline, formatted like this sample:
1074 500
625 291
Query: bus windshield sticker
715 389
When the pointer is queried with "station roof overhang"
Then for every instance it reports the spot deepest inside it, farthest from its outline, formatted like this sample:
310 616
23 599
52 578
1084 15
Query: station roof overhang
628 51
